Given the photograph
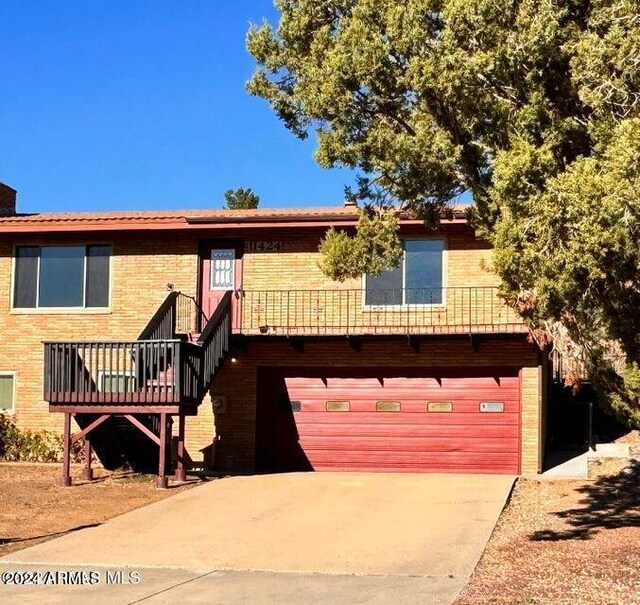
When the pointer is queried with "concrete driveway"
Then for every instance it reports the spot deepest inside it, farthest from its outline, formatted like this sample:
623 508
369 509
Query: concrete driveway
295 538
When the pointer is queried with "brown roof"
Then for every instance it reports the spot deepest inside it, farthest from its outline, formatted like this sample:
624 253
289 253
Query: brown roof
182 219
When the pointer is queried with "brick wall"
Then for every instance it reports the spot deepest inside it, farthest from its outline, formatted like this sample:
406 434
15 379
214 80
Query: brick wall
7 200
466 259
532 404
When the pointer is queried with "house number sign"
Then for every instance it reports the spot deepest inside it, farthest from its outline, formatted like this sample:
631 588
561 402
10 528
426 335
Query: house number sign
492 406
260 246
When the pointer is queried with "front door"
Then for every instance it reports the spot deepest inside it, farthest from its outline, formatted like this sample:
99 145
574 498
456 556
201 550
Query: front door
221 272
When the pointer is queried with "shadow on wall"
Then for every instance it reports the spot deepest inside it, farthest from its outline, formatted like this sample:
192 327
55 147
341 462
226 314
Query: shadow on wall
609 503
278 448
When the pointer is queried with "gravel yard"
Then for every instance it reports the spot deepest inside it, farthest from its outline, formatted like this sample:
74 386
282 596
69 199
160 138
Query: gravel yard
564 543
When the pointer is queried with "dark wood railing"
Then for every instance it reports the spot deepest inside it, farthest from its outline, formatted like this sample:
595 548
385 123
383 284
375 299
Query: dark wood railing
361 312
215 338
191 385
163 371
127 372
163 323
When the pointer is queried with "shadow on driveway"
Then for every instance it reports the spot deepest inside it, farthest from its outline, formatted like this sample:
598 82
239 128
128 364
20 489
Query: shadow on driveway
52 535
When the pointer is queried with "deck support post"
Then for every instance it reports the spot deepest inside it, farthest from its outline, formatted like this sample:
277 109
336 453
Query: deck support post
162 482
65 479
87 471
181 471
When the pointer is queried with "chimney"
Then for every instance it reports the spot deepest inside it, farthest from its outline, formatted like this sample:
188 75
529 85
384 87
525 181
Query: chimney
7 200
350 202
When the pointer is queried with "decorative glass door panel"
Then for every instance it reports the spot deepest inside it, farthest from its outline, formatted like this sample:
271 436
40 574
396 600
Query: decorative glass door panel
222 272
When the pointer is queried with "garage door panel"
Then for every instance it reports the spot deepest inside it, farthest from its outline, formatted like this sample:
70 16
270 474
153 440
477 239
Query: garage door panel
459 406
394 467
403 430
401 394
407 443
423 461
411 382
383 418
488 382
481 382
412 437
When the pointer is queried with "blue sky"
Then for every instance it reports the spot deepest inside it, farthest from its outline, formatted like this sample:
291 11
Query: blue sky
141 105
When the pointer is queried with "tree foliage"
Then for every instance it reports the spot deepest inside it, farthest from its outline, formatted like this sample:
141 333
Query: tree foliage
375 247
241 199
531 105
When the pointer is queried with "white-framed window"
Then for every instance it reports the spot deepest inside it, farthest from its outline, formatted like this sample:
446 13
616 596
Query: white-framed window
117 382
419 279
7 392
223 269
62 276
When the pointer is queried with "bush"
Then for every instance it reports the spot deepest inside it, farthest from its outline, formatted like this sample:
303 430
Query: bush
31 446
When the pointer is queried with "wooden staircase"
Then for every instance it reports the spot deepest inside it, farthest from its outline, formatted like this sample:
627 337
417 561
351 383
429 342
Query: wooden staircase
124 394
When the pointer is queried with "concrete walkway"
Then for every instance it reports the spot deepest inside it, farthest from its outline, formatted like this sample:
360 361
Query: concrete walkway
294 538
566 465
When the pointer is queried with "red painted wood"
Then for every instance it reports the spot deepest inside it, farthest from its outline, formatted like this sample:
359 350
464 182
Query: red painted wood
407 382
466 405
404 443
210 299
404 430
413 439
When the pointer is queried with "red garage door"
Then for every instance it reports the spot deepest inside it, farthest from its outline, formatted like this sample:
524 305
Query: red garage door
454 422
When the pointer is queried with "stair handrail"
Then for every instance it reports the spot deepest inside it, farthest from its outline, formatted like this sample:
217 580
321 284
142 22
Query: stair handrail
162 326
215 338
198 307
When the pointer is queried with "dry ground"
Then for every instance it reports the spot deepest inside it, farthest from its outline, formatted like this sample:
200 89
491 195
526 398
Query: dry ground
564 543
34 508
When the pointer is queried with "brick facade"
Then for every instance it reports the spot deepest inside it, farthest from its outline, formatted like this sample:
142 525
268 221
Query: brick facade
144 263
466 261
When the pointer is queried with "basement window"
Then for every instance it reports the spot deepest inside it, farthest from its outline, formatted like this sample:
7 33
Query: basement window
117 382
7 392
62 276
417 281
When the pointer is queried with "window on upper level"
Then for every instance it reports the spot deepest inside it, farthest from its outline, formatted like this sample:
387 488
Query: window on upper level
62 276
417 281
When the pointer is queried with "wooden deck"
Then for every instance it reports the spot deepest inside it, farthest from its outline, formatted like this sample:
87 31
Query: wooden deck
144 381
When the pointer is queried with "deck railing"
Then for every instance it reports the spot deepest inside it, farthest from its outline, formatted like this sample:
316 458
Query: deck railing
163 323
163 370
214 340
361 312
126 372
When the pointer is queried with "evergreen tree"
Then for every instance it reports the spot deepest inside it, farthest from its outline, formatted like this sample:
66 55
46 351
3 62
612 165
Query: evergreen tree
533 106
241 199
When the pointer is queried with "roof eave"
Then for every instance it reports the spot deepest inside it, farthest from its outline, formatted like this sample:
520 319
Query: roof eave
195 223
